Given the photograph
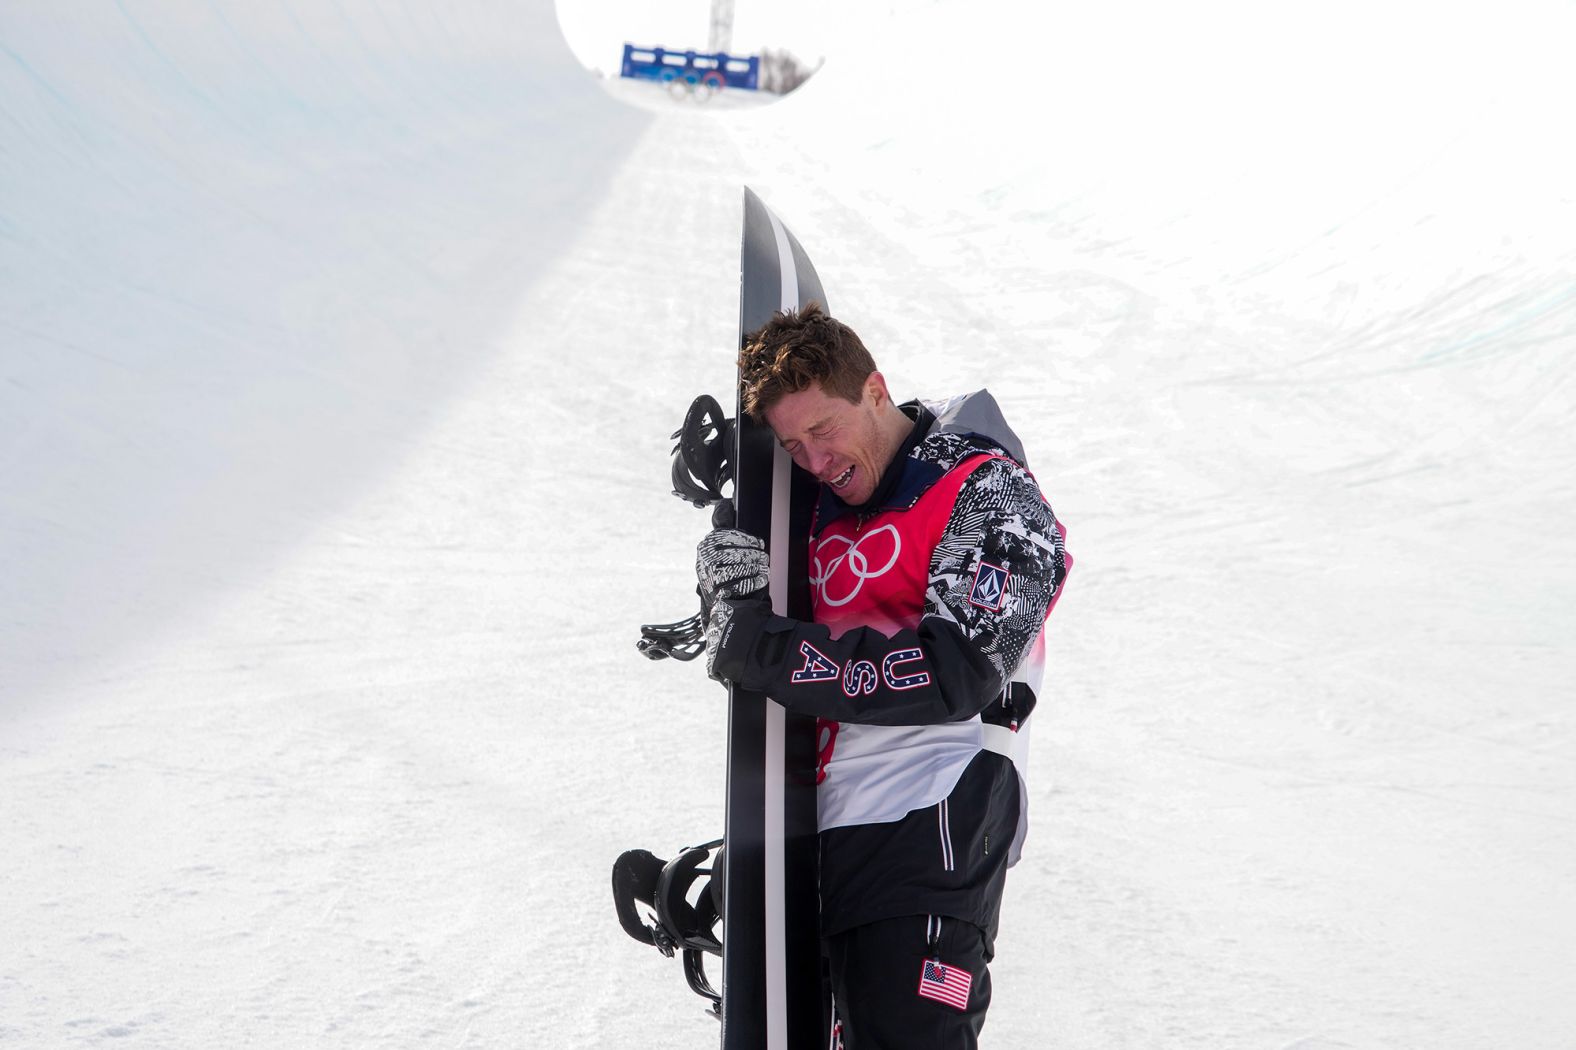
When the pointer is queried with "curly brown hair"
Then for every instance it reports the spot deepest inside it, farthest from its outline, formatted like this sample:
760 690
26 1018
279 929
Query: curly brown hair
796 348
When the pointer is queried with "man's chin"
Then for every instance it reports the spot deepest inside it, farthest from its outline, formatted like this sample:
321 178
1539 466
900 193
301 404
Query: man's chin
855 495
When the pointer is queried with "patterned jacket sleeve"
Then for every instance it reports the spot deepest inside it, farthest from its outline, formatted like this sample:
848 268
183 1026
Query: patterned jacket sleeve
993 576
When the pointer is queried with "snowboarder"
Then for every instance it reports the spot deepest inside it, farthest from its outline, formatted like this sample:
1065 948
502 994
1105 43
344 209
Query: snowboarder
934 562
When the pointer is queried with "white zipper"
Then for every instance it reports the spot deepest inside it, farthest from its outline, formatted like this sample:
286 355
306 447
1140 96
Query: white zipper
944 819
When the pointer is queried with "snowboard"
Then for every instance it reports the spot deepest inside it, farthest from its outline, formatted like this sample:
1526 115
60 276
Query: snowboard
771 970
758 882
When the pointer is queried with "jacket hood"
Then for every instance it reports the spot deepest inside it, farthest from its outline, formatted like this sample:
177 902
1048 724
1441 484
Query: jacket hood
978 415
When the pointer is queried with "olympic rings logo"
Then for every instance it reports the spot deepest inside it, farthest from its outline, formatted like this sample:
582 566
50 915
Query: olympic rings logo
849 570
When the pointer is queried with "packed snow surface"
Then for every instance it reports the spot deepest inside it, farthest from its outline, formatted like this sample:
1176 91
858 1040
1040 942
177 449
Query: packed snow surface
339 347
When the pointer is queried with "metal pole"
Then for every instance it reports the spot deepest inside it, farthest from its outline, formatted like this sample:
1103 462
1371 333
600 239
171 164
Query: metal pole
721 37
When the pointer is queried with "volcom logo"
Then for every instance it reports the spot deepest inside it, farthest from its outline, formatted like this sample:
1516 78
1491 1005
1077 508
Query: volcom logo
838 579
990 586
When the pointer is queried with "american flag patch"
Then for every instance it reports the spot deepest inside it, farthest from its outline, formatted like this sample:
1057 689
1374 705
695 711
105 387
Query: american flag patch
945 984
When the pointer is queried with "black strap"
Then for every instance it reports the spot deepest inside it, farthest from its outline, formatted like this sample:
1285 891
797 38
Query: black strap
703 456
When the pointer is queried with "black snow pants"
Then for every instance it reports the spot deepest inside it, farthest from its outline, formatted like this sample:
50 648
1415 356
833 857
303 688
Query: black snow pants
919 982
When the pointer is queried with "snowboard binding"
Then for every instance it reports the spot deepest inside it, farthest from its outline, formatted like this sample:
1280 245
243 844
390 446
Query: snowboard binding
702 468
680 911
703 457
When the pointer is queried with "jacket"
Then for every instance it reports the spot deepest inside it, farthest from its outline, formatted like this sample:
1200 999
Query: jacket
922 663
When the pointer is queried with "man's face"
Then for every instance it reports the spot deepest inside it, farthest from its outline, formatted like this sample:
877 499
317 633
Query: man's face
842 444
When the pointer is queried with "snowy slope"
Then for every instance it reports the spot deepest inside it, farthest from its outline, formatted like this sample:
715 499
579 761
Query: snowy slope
329 332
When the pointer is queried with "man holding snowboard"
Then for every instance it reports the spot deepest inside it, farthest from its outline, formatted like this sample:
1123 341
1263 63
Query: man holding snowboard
934 562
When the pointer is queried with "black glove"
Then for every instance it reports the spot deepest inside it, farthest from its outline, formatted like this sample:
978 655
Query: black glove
718 615
735 624
730 564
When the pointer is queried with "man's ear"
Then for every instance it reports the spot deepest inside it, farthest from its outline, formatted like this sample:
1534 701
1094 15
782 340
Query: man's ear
876 389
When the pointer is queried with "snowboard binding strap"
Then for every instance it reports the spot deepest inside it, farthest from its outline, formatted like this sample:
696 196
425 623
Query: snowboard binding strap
682 639
663 887
703 457
702 468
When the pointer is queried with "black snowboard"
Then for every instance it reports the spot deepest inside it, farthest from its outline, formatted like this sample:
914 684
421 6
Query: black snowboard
771 994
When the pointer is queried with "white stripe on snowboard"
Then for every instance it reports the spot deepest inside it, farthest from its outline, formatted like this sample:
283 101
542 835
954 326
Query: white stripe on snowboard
776 719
